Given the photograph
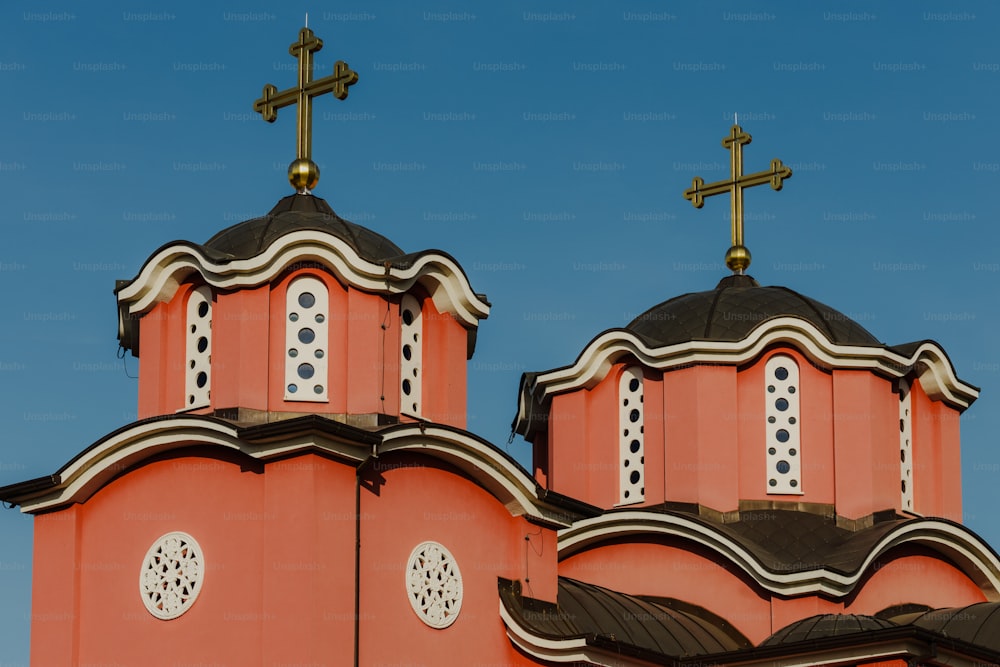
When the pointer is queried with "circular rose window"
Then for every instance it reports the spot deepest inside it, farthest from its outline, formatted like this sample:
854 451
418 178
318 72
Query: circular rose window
172 575
434 585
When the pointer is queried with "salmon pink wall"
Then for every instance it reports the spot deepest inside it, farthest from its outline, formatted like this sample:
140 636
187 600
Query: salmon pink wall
416 499
912 574
274 546
675 571
240 325
248 354
163 343
55 588
445 343
937 475
815 428
866 437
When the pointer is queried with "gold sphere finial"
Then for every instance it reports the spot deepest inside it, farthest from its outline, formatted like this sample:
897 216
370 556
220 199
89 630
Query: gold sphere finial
738 258
303 174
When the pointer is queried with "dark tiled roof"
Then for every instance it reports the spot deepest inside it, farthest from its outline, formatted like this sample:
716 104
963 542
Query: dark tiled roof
734 308
785 541
594 612
822 626
672 632
294 212
977 624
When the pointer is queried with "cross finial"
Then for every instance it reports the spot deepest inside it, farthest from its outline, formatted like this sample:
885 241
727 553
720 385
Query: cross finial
738 256
303 173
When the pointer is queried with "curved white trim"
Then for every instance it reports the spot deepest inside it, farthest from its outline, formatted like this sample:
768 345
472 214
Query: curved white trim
83 476
436 272
501 477
562 650
970 553
937 376
576 651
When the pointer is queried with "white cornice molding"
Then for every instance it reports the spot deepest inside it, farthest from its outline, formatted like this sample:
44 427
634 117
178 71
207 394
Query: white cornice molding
503 478
936 373
444 279
576 651
960 545
96 466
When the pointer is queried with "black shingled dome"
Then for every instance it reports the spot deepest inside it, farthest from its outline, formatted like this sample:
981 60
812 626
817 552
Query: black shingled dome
736 307
251 237
826 625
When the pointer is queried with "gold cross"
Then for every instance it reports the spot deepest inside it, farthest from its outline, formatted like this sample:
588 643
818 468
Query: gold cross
738 256
303 172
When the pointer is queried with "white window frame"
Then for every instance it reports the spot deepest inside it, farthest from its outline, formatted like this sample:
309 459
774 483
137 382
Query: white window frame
631 430
783 446
198 349
302 351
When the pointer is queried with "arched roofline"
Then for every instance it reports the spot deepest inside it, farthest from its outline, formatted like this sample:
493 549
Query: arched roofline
499 474
928 360
442 277
97 465
955 542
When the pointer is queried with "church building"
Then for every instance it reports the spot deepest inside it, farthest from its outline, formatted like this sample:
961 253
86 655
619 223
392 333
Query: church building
300 487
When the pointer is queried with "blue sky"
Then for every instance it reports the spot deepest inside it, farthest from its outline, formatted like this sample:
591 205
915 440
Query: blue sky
544 145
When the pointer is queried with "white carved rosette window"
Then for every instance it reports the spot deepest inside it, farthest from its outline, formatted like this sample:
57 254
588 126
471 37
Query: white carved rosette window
172 575
434 585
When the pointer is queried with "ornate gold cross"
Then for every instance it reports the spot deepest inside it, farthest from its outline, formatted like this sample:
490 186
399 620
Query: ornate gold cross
303 173
738 256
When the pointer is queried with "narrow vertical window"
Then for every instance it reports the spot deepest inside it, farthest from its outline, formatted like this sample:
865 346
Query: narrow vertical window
781 396
307 306
905 447
198 349
631 453
410 356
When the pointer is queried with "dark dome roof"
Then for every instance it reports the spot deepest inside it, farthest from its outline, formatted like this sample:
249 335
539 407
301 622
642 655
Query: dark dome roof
251 237
735 308
977 624
826 625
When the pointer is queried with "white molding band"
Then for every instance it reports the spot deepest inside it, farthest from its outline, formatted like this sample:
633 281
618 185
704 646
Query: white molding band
963 547
440 275
937 375
97 466
500 476
577 651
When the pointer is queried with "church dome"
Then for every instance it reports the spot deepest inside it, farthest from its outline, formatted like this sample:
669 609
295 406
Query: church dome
736 307
826 625
299 212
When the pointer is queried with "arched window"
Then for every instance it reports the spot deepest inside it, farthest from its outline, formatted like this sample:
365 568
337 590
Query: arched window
905 447
410 356
307 309
781 396
631 429
198 349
